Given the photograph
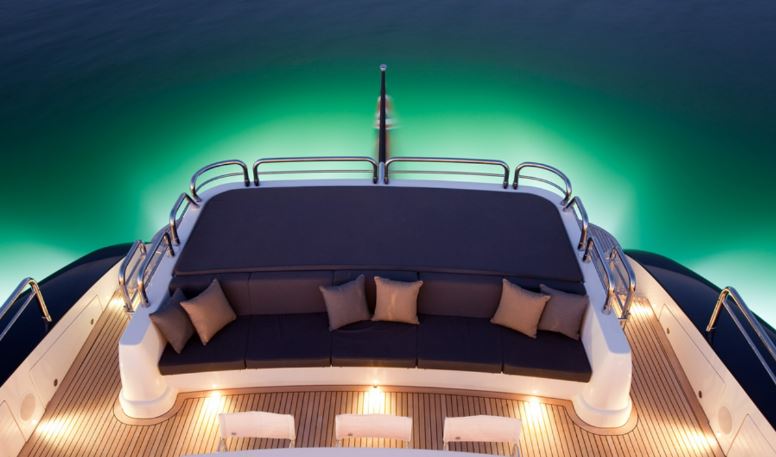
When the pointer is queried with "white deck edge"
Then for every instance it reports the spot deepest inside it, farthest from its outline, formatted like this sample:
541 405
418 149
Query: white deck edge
738 425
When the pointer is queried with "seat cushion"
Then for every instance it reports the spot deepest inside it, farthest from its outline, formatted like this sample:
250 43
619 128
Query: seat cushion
289 340
549 355
381 344
226 351
459 343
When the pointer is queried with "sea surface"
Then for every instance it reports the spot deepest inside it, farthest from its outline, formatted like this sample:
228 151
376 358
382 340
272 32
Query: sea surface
663 114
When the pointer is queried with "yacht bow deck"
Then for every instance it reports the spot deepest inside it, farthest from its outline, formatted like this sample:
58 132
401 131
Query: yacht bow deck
83 418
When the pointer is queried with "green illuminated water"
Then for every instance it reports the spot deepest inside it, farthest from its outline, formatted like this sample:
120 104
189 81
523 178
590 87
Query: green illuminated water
661 115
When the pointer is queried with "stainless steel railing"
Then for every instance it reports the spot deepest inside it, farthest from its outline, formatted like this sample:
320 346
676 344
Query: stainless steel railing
34 293
128 270
593 254
582 219
174 219
565 189
271 160
614 269
448 160
751 320
625 279
194 187
161 245
616 274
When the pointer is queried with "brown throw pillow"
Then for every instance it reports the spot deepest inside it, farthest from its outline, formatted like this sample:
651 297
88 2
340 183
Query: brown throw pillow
519 309
397 301
173 322
209 311
563 313
346 303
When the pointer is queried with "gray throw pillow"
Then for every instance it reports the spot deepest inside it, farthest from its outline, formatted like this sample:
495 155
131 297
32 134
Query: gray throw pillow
346 303
564 312
209 311
396 301
519 309
173 322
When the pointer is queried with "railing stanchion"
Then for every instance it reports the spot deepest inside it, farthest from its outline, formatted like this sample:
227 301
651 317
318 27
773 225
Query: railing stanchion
34 293
142 272
754 324
576 202
173 220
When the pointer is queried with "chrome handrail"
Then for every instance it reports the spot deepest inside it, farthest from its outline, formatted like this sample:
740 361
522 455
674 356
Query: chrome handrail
194 188
730 292
126 272
566 182
173 222
260 162
576 202
590 249
15 296
152 251
497 163
616 253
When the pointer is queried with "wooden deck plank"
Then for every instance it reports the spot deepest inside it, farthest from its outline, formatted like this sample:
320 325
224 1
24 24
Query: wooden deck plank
80 419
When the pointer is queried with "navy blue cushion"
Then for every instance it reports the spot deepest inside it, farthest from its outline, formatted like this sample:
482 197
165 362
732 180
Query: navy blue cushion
462 295
288 292
380 344
459 343
550 355
226 351
289 340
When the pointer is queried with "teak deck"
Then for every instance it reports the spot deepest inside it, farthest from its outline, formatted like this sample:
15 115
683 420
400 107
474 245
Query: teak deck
83 418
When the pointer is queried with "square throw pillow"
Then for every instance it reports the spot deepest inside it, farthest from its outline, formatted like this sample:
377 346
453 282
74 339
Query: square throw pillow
396 301
173 322
519 309
564 312
346 303
209 311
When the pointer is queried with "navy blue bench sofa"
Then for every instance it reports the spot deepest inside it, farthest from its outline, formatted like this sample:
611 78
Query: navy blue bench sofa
282 323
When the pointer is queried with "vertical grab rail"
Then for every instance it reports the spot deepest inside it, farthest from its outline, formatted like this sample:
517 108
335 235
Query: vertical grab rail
127 271
617 255
173 220
194 187
607 265
576 202
593 249
164 237
566 189
730 292
44 313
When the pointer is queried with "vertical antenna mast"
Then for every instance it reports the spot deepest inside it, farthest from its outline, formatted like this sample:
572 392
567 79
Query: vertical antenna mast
382 148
